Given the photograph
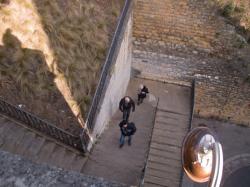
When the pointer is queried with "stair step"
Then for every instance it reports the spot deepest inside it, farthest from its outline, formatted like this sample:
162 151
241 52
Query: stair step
170 127
19 140
172 115
163 168
2 119
45 153
14 136
25 142
165 147
78 163
164 175
166 154
160 181
147 184
169 135
35 147
168 140
166 161
5 130
174 123
66 160
177 121
162 132
57 155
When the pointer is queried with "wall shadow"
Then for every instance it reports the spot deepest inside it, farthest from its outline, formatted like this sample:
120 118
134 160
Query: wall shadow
79 38
25 81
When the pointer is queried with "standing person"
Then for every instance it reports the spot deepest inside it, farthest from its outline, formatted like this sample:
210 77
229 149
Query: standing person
125 106
127 129
142 94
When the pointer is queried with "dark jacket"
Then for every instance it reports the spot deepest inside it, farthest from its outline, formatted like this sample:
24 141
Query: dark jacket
128 130
126 106
144 90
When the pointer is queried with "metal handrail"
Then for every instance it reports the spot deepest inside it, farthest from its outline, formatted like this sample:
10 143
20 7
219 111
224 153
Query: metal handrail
40 125
112 54
192 103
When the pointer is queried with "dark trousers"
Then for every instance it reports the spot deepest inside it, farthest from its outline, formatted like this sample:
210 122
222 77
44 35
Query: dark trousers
141 96
126 113
122 139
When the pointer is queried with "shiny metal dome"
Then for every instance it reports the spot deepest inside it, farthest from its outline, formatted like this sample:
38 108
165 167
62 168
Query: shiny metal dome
197 154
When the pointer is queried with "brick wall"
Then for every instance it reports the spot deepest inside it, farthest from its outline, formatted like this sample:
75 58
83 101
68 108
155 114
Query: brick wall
183 26
180 40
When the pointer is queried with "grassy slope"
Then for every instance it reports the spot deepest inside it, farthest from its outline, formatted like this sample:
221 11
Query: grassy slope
51 58
238 12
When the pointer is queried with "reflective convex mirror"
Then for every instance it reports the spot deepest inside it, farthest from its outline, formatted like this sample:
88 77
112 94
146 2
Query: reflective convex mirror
202 156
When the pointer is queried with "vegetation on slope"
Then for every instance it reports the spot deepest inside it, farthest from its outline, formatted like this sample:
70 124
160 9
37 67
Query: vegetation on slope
238 12
51 54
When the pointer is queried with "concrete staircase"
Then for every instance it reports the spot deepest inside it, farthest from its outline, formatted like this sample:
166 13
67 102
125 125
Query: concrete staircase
16 139
164 160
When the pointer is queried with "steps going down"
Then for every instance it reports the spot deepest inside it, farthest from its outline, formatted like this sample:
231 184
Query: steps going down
17 139
164 159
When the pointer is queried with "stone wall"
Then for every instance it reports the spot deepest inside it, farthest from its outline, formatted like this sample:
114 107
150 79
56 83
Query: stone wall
183 26
186 39
117 85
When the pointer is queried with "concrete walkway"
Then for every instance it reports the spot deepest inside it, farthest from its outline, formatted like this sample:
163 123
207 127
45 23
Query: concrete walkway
126 165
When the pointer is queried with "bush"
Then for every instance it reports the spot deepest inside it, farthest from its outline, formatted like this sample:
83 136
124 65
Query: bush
228 9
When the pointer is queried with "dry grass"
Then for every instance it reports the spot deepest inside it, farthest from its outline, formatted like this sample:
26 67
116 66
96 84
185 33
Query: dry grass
238 11
51 59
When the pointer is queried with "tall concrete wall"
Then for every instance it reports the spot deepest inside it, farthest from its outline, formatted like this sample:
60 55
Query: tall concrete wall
186 39
117 86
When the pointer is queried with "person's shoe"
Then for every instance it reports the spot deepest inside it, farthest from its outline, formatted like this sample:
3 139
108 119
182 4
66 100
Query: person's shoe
129 143
121 145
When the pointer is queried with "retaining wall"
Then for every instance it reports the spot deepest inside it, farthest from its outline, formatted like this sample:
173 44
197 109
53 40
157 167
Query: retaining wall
118 78
186 39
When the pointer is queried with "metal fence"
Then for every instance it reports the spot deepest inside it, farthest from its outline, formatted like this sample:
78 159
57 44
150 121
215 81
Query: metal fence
112 54
36 123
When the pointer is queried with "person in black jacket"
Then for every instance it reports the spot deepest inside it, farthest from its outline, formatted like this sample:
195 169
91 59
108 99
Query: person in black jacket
125 106
142 94
127 129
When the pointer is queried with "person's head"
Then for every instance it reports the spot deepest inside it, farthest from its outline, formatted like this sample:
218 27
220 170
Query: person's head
124 123
141 86
127 99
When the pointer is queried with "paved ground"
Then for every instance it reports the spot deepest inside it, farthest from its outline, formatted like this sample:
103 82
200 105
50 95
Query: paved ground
235 142
126 165
239 178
